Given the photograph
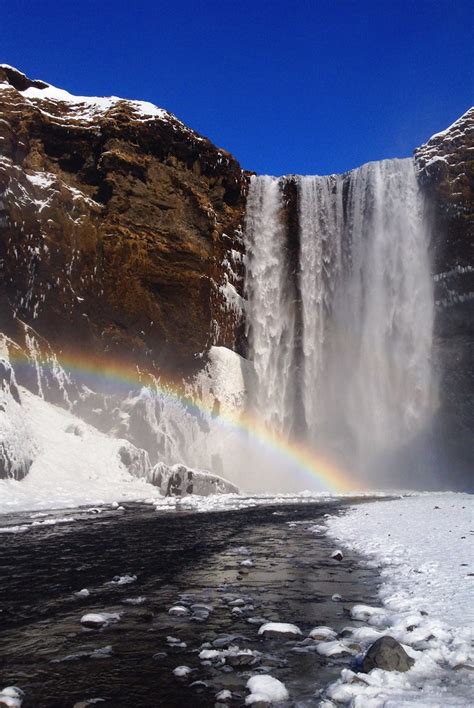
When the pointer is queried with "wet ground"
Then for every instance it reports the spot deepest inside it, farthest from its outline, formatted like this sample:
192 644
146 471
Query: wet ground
183 559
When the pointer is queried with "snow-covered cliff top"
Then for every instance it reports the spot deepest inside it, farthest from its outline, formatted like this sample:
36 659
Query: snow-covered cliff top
50 99
445 145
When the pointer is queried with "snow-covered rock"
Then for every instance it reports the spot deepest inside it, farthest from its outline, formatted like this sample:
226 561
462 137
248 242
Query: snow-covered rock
178 611
134 600
224 695
322 634
123 580
182 671
96 620
12 697
279 630
179 480
266 689
135 460
332 648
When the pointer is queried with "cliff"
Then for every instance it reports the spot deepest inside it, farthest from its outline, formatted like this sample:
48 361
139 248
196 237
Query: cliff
446 171
121 239
119 227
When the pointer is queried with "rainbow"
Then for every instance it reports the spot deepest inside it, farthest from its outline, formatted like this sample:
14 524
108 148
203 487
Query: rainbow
315 467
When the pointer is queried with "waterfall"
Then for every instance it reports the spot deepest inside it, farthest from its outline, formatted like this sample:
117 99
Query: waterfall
320 213
362 386
271 312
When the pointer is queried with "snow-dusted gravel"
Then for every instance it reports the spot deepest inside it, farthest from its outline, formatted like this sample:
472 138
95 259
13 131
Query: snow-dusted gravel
423 547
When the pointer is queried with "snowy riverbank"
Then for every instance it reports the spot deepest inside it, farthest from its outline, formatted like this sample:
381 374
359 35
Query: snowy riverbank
423 548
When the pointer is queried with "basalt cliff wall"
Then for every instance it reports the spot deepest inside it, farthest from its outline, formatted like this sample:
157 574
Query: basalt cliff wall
120 228
446 172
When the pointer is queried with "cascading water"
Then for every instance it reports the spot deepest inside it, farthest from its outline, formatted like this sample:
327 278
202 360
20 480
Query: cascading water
363 388
271 312
321 222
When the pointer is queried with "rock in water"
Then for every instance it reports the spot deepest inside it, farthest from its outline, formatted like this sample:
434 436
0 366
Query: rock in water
265 690
387 654
279 630
179 481
11 696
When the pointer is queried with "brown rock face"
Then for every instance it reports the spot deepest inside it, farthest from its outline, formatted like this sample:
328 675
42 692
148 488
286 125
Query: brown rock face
119 227
446 170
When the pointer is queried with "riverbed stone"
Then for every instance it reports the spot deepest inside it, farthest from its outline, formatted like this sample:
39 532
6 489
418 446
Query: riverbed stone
387 654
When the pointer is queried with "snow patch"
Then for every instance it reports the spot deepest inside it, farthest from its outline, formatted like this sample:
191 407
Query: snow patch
67 470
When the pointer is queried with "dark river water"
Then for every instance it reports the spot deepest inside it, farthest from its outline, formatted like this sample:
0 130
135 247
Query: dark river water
178 558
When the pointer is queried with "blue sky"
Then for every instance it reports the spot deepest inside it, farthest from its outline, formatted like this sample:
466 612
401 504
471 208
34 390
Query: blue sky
302 86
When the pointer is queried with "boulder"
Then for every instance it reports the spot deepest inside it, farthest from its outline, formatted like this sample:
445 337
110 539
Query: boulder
279 630
387 654
179 481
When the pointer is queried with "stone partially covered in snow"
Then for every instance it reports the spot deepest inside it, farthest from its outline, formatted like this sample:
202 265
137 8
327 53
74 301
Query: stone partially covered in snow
337 555
179 480
333 648
135 460
178 611
123 580
11 696
96 620
387 654
323 634
265 690
182 671
279 630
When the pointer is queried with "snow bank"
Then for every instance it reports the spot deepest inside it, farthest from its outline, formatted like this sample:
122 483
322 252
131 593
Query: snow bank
423 547
17 442
68 470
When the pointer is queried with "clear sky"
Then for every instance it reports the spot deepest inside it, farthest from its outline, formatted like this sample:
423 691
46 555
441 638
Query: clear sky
302 86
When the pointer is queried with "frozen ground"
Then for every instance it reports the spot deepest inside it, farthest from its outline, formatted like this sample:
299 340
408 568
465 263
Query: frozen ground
423 548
